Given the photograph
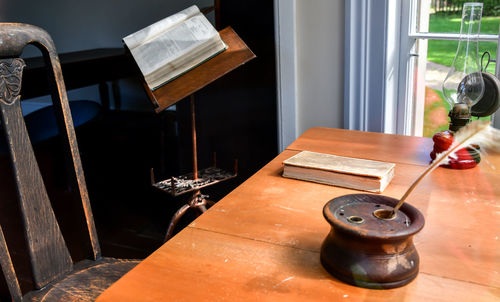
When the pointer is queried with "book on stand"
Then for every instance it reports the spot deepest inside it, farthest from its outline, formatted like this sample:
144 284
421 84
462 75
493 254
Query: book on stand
171 47
348 172
178 56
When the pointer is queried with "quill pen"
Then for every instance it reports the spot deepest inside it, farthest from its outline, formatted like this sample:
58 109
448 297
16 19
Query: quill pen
478 133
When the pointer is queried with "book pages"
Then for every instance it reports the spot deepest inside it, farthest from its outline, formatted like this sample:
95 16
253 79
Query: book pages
340 164
153 30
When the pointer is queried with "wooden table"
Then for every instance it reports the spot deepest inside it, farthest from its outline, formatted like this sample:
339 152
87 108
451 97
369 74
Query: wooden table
262 241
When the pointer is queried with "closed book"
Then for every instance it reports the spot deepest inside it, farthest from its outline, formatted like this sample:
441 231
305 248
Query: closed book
348 172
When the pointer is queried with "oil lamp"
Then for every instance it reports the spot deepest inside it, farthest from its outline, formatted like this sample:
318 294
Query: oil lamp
464 86
469 91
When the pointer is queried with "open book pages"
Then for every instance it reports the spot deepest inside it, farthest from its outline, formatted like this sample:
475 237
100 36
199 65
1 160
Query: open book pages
173 46
354 173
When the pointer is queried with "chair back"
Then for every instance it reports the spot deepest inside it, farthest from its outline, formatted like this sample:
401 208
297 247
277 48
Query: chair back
48 253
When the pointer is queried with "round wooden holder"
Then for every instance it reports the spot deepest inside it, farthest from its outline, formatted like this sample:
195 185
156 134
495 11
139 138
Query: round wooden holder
366 251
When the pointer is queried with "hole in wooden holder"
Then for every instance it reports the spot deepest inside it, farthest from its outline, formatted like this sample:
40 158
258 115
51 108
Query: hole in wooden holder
384 214
355 219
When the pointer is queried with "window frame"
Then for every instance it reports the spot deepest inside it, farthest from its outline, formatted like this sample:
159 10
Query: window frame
379 86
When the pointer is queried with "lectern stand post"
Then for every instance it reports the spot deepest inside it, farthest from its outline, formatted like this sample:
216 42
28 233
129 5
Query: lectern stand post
197 201
236 54
193 136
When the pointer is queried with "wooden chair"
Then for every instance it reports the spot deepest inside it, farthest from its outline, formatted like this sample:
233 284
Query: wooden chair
54 275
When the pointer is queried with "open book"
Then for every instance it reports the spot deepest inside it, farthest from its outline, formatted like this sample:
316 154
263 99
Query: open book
173 46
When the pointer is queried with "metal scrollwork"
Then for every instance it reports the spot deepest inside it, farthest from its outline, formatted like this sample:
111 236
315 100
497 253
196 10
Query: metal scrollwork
11 71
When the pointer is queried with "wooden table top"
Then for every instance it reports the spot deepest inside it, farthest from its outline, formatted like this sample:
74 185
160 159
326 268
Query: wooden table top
262 241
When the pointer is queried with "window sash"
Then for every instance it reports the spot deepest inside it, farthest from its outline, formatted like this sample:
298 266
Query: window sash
448 36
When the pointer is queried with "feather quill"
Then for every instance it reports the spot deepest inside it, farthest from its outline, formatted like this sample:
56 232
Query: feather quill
478 133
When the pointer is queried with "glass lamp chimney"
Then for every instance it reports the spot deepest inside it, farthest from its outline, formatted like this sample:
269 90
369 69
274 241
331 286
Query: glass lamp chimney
463 86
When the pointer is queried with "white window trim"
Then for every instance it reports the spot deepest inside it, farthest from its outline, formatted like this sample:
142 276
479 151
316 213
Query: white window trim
376 91
372 65
363 94
410 113
286 69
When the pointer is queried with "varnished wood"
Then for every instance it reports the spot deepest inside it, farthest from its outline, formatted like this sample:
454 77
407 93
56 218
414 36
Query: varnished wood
287 205
284 207
262 241
234 56
390 148
231 268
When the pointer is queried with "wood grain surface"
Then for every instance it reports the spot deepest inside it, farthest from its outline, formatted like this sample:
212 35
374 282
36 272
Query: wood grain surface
199 265
262 241
368 145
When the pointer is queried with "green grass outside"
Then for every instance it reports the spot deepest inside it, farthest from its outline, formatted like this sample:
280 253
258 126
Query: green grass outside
443 51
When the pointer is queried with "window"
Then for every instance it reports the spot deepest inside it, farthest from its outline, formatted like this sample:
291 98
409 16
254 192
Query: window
386 52
431 41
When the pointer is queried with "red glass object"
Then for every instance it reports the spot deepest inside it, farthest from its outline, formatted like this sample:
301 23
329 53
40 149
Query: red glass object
465 158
